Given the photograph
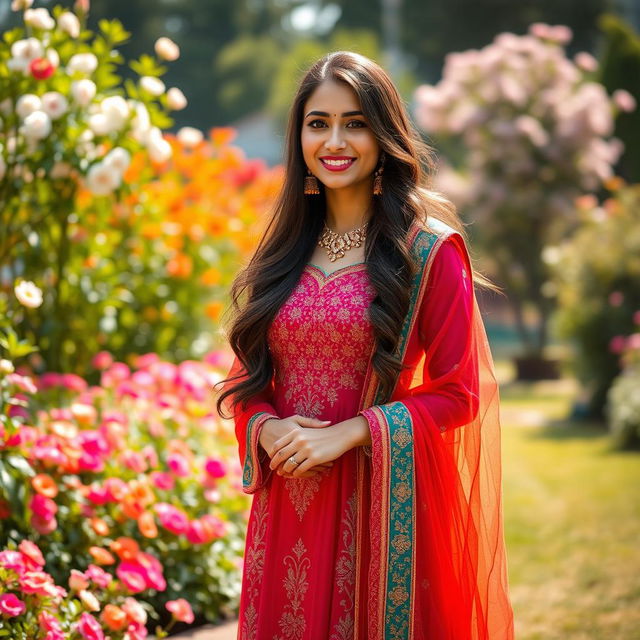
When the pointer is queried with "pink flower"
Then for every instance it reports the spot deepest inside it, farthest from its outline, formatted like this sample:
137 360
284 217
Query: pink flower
215 468
89 628
617 344
135 611
13 560
42 507
73 382
77 580
98 494
178 464
102 360
136 631
115 374
49 622
32 554
624 100
636 317
44 527
181 610
172 518
11 605
616 298
48 380
162 480
146 360
37 582
133 460
132 576
633 341
98 576
24 383
196 533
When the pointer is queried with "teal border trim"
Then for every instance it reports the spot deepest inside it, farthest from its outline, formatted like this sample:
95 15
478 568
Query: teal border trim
421 248
249 471
401 541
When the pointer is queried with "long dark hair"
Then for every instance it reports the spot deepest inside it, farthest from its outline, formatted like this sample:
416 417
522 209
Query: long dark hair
293 228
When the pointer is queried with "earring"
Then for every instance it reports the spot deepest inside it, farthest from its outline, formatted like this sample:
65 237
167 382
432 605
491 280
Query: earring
377 180
311 187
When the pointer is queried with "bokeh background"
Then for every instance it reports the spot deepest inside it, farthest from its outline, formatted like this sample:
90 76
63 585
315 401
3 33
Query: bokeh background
140 151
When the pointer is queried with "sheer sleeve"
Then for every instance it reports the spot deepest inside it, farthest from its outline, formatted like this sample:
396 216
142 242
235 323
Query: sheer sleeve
248 422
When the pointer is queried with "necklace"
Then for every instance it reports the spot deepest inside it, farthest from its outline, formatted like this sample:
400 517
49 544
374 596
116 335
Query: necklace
337 243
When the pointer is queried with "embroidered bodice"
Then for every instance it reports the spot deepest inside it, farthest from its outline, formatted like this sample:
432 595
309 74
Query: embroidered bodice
321 340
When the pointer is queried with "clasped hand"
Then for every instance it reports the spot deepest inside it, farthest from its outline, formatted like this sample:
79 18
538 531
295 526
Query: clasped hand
312 443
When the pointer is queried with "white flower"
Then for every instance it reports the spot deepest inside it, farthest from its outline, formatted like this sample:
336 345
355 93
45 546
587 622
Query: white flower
116 110
29 48
152 85
21 5
37 125
39 19
167 49
6 366
102 179
69 23
141 122
190 137
99 124
27 104
83 91
52 56
118 159
82 62
159 149
54 104
176 99
28 294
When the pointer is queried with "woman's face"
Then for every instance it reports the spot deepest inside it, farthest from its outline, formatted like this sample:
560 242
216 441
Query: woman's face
337 144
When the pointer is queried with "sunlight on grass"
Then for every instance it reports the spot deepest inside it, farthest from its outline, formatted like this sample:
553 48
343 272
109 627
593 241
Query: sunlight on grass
572 520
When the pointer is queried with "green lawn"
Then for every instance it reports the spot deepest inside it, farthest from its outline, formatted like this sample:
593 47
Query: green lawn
572 521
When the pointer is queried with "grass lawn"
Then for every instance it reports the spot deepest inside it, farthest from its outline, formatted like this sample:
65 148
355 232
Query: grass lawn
572 520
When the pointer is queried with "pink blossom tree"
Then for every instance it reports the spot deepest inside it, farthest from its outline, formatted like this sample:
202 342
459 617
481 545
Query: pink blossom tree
536 132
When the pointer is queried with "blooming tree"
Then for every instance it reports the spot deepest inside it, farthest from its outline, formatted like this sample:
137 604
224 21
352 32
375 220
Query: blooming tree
536 127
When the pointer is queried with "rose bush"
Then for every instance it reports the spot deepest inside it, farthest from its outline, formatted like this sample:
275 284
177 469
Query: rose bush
112 484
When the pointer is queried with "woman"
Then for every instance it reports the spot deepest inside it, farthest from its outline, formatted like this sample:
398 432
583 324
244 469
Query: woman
363 392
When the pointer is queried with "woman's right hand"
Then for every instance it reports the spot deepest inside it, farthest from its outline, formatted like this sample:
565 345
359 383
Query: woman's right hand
273 429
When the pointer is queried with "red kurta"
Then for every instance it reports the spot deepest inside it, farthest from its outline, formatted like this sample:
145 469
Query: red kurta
310 562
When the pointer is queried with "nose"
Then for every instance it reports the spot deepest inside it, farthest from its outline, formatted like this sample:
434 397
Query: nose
335 139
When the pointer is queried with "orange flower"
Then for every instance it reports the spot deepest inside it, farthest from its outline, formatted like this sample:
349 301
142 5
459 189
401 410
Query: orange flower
614 183
126 549
141 492
45 485
222 135
180 266
210 277
101 556
114 617
99 526
213 309
132 508
147 525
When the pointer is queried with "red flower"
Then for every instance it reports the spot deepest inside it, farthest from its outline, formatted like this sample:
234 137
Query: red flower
41 68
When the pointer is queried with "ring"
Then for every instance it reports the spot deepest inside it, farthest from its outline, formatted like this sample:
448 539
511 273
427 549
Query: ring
293 460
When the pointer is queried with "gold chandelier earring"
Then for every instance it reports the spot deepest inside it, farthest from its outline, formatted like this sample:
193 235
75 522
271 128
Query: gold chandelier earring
377 180
311 187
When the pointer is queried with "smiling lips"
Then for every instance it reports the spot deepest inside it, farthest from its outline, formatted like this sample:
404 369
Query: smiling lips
337 163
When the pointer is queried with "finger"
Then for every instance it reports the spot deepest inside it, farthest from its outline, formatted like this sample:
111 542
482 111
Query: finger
303 421
281 442
282 455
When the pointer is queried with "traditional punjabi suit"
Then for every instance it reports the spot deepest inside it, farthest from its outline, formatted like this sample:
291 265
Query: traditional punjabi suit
402 539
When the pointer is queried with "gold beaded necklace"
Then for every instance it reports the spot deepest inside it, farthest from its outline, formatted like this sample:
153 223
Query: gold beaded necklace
337 243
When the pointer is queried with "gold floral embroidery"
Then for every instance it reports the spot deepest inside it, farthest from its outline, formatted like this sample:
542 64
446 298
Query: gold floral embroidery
301 492
292 621
254 566
321 338
346 573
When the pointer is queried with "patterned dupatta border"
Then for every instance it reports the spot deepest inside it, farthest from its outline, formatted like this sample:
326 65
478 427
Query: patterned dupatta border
391 580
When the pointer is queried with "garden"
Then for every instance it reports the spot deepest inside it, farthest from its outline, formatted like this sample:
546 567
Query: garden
122 513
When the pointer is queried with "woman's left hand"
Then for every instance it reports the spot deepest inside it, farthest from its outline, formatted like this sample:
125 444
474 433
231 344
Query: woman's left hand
310 447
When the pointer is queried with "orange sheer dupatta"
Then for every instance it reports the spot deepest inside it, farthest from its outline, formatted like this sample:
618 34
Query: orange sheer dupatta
438 568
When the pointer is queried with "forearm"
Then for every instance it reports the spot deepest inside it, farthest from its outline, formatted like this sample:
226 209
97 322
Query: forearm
357 430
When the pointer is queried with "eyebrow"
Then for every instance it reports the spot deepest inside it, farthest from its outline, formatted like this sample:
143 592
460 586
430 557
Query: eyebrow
346 114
